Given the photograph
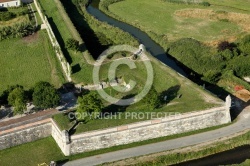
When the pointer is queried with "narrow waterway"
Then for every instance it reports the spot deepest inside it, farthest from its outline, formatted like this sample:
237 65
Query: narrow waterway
151 46
234 156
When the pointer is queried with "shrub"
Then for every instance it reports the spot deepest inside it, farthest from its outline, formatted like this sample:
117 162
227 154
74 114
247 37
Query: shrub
16 30
227 54
244 45
72 44
6 16
45 95
212 76
205 3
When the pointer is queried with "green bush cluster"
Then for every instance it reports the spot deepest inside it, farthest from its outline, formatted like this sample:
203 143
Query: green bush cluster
6 16
16 30
212 64
44 95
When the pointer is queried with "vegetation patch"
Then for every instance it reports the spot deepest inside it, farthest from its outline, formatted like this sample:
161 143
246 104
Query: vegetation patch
34 153
243 20
15 23
190 35
26 63
165 26
198 2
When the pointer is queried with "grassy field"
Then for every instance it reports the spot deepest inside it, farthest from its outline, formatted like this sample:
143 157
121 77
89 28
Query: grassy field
46 150
31 154
27 61
166 25
239 4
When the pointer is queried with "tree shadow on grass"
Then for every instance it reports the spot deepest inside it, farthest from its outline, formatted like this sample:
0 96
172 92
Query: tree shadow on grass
168 95
114 109
62 162
76 68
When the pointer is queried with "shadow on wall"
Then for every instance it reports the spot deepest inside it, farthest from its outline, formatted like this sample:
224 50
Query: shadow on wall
60 40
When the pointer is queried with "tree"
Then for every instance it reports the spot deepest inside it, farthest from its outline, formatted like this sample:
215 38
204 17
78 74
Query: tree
72 44
88 106
152 99
45 95
17 99
5 94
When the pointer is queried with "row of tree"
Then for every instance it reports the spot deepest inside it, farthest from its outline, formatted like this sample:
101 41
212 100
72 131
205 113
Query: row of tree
43 96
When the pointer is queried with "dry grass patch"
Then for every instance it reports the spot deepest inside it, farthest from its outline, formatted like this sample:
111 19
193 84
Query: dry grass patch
14 21
242 20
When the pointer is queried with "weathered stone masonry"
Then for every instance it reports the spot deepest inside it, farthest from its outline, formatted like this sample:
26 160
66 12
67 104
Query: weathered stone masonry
24 134
99 139
147 130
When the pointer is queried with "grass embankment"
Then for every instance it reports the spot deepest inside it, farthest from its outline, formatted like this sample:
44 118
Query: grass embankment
46 150
80 68
87 26
29 60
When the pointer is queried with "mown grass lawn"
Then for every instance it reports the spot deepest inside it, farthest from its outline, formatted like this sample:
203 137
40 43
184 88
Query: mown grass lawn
31 154
27 61
158 17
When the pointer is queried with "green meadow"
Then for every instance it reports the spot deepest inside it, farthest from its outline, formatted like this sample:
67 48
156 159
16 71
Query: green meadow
29 60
